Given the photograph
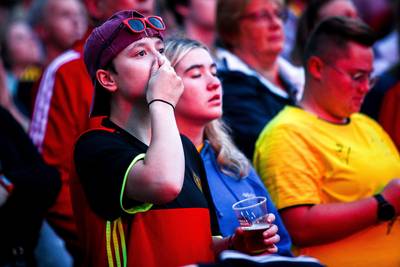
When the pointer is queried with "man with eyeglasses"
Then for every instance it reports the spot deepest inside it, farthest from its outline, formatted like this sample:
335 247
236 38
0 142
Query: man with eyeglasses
331 171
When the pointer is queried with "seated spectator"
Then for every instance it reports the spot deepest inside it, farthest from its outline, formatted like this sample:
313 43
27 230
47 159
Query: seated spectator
332 172
137 174
196 18
257 82
27 188
315 12
198 112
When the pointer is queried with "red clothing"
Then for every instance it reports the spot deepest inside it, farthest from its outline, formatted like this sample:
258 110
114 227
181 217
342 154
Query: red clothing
389 115
60 115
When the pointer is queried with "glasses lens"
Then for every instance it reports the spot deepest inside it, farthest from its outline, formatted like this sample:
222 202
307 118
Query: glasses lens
136 25
156 22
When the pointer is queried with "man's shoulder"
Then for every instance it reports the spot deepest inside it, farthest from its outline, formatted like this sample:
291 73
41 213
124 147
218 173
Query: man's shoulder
71 61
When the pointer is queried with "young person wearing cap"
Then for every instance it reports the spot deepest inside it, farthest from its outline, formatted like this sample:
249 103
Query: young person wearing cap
62 103
145 184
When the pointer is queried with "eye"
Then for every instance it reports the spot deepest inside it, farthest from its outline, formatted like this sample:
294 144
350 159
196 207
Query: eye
359 77
194 76
161 50
140 53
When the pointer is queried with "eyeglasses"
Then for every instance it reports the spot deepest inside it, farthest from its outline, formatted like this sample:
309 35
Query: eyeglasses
265 15
138 25
357 78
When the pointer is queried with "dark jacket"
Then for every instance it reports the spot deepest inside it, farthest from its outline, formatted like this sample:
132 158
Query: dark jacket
36 186
248 105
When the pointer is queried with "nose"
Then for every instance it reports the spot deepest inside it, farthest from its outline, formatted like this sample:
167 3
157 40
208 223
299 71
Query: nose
214 84
365 86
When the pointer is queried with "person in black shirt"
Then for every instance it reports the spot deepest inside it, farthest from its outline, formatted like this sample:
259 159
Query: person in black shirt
144 183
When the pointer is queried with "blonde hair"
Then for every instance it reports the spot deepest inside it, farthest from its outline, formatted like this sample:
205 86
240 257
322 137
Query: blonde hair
231 161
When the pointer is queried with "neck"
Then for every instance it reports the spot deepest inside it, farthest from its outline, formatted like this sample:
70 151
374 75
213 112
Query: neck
133 118
310 103
205 35
51 53
195 132
269 69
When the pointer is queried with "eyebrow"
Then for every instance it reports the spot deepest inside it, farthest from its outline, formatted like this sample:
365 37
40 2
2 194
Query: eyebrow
198 66
143 44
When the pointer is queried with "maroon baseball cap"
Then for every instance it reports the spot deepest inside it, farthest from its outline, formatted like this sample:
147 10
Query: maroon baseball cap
106 42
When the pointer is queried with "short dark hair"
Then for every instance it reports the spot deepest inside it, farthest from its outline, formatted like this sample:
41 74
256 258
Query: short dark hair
334 33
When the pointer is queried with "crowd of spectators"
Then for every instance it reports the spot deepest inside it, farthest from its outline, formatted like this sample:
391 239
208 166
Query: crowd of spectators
307 92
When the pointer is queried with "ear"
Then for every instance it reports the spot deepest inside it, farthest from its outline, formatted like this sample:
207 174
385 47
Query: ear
106 79
182 10
314 67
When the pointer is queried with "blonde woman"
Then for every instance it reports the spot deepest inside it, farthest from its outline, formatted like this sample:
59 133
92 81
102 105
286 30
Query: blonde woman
198 111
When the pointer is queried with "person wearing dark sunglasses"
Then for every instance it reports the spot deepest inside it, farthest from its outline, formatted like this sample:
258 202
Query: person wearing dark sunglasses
141 186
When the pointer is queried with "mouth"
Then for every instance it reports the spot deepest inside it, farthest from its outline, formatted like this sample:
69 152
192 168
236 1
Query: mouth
215 100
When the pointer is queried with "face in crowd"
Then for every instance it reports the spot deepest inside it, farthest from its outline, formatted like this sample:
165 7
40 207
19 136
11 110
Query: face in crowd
201 100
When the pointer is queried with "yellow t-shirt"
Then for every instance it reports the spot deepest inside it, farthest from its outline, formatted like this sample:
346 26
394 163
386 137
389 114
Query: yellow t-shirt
305 160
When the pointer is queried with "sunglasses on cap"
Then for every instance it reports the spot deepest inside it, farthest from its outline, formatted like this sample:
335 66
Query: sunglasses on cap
138 25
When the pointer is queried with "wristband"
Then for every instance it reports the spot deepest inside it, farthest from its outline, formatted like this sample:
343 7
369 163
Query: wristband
161 100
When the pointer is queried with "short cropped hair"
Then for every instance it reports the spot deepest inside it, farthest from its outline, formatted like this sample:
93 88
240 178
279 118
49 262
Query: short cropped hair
228 14
334 33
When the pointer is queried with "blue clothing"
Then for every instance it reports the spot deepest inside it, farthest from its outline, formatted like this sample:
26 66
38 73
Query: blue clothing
226 190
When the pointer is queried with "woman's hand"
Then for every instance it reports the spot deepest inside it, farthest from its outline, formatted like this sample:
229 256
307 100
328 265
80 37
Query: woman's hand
257 240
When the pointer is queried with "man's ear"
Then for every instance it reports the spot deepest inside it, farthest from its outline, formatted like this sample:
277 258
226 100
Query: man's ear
106 80
314 67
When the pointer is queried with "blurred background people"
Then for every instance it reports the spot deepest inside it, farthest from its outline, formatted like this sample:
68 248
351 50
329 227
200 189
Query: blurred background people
315 11
332 172
257 82
382 103
195 18
59 24
198 111
21 53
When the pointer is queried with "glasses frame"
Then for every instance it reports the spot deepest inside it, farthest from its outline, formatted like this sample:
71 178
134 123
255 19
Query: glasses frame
125 22
281 14
145 22
357 78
